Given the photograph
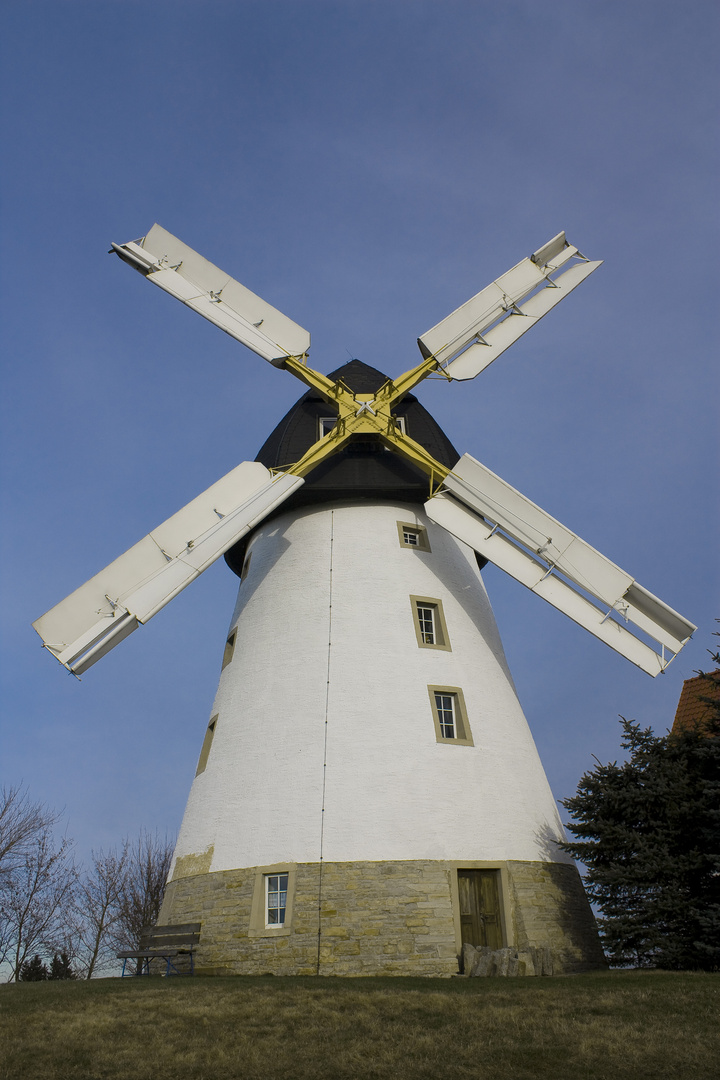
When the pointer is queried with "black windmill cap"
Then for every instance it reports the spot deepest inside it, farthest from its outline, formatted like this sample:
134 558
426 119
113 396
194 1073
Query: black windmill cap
364 469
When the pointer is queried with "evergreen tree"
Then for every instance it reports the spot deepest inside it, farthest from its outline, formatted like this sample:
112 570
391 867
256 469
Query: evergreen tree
648 831
60 967
33 970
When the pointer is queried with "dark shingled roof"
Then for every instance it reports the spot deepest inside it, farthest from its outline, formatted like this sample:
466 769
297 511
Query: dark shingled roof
364 469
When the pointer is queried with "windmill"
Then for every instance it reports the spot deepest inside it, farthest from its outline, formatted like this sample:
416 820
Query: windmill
368 796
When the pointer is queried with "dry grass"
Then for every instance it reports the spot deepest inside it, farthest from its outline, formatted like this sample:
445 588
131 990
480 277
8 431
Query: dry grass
643 1026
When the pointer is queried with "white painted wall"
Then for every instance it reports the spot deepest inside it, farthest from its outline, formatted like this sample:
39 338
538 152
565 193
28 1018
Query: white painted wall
392 792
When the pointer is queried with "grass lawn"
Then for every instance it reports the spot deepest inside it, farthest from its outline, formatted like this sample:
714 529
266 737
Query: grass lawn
639 1025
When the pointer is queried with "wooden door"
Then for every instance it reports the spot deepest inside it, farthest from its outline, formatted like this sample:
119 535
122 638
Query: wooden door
480 907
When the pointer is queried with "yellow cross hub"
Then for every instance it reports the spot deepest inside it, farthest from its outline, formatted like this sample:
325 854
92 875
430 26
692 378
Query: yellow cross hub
367 414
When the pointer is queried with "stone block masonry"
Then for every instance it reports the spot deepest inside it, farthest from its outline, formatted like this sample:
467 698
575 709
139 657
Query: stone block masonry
551 909
377 918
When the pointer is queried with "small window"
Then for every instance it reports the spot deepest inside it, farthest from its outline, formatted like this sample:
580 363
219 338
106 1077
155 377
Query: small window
430 627
271 911
207 743
449 715
276 889
229 650
446 706
326 424
427 618
413 535
400 423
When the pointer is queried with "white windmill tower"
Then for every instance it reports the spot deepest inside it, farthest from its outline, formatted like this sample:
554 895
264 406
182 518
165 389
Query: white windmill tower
368 795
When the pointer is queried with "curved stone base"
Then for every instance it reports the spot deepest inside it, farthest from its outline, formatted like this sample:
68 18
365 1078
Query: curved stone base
378 918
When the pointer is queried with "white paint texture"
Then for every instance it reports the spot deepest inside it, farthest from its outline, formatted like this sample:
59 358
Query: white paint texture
392 792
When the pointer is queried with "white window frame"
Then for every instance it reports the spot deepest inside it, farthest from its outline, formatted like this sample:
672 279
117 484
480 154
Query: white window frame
446 705
400 421
427 618
278 891
258 925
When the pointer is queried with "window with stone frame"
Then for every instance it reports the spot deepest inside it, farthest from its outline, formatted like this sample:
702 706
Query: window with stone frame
413 535
229 650
276 888
207 743
449 715
429 619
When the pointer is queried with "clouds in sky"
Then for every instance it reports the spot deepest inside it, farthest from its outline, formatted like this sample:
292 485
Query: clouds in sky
366 167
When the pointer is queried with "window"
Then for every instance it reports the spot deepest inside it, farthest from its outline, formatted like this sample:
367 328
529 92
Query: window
427 618
325 425
430 628
446 705
229 650
271 912
449 715
207 743
400 423
276 889
413 535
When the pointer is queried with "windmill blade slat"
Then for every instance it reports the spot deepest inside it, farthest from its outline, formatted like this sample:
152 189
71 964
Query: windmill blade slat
500 337
215 295
557 546
133 588
533 547
649 613
499 503
474 321
555 251
499 550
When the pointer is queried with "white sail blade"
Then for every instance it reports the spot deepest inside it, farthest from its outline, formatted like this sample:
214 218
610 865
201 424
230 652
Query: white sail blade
133 588
513 533
180 271
480 330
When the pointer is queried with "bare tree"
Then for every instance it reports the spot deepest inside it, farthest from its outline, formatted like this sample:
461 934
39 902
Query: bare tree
21 822
98 905
36 900
148 866
47 908
25 848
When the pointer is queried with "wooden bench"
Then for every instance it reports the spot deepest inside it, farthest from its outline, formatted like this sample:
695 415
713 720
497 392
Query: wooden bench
163 943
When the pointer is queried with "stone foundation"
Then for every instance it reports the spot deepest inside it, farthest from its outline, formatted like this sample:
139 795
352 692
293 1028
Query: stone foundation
377 918
551 909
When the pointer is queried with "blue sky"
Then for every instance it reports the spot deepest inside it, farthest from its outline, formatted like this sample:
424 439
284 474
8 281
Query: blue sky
365 167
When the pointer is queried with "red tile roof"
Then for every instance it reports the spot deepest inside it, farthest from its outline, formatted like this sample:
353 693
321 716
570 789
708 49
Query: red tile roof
692 712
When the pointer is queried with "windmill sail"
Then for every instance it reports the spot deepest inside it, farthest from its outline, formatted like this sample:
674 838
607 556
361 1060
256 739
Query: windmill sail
497 521
107 608
180 271
475 334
